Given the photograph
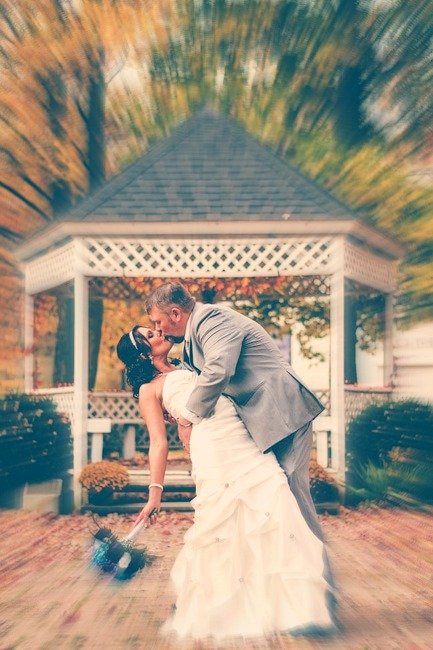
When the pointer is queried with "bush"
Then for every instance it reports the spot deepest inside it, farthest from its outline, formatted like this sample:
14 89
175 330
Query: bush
374 484
35 441
390 452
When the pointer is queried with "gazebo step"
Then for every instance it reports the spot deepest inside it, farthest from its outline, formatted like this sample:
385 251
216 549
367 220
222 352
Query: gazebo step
179 506
126 508
179 486
179 489
178 476
331 508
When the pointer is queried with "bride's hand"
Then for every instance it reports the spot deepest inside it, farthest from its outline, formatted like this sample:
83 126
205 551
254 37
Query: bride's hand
169 418
148 514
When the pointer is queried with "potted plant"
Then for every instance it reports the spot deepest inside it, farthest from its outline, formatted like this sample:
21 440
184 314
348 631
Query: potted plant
101 479
323 487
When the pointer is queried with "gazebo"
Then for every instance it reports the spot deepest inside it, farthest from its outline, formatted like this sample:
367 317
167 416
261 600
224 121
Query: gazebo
207 201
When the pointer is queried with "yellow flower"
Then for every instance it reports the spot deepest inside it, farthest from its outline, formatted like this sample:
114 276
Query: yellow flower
103 474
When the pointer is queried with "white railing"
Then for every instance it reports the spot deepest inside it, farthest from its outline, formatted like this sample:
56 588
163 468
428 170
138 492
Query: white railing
122 409
119 406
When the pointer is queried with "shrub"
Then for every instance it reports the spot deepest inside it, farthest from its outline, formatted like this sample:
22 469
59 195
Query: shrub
322 486
104 474
35 440
390 450
375 484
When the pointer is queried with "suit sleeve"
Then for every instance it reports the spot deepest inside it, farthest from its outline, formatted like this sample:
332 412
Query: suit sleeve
221 343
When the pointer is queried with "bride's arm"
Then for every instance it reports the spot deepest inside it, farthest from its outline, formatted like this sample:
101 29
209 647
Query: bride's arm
152 414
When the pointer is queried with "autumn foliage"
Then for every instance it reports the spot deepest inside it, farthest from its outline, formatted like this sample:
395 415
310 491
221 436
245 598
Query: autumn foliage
338 89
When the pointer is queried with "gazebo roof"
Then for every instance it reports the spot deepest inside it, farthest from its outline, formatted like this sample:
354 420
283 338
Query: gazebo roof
209 169
209 176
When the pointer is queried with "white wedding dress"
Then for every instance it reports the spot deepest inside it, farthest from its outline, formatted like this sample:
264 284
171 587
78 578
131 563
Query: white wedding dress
250 566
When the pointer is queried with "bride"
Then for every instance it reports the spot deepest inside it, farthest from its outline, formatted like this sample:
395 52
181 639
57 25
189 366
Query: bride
250 565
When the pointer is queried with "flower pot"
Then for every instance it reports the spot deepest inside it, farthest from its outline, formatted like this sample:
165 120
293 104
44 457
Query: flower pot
42 497
100 497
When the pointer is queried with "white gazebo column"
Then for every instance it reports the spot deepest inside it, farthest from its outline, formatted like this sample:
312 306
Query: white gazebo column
81 378
388 341
29 330
338 448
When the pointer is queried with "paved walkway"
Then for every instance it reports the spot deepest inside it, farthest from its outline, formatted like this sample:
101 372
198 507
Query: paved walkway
50 599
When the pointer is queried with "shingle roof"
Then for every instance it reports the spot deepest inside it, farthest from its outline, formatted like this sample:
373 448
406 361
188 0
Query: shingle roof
211 169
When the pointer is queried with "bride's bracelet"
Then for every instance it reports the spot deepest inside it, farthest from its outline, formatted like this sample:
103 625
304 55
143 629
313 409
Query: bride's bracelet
158 485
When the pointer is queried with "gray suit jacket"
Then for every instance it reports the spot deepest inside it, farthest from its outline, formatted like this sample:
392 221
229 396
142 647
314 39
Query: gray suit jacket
236 357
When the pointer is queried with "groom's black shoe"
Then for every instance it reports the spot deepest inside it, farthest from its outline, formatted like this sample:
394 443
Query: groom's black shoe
314 631
332 605
317 631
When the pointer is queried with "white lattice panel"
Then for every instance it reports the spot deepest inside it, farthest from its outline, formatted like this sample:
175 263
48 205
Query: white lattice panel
52 269
206 258
121 408
355 401
324 395
142 438
368 269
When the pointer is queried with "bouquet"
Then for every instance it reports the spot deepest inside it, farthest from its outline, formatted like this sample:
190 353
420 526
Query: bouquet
119 557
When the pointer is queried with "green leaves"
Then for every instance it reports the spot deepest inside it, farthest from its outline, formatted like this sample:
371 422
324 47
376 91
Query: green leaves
390 452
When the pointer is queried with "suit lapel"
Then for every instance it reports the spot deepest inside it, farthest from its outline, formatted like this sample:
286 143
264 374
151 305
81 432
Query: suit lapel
188 347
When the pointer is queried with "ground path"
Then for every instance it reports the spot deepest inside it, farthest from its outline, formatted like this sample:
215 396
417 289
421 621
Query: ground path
51 600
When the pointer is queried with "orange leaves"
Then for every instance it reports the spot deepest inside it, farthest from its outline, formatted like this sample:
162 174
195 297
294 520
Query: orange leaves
244 288
278 303
71 617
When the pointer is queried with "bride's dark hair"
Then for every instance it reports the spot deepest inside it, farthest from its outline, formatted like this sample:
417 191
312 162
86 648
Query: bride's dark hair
138 361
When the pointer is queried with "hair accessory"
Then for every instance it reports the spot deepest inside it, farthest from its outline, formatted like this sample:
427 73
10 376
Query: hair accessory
133 341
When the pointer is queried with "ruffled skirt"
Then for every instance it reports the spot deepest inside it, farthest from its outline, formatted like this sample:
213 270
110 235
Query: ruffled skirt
250 566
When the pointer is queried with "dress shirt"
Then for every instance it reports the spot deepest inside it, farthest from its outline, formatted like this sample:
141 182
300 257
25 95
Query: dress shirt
185 413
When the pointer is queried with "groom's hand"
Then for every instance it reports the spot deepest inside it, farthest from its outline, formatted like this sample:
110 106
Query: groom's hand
184 431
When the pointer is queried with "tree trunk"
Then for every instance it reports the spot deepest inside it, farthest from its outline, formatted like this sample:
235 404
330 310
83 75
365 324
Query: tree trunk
350 371
96 316
64 353
96 150
96 125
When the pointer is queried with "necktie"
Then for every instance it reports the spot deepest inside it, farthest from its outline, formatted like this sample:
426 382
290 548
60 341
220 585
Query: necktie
186 357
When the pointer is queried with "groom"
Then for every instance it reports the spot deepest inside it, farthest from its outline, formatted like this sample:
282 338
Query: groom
235 356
